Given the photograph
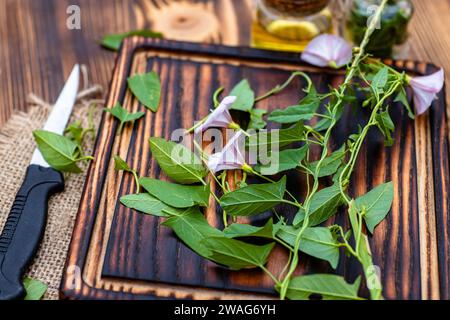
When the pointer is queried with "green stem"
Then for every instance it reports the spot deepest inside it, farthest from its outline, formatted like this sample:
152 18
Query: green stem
340 95
216 103
216 96
202 154
196 125
136 179
287 264
277 282
119 130
85 158
346 244
284 244
298 205
280 88
348 169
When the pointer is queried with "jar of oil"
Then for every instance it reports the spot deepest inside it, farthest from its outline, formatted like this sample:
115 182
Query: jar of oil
290 23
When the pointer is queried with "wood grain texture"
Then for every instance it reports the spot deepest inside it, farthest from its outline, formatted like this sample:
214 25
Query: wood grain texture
37 52
124 254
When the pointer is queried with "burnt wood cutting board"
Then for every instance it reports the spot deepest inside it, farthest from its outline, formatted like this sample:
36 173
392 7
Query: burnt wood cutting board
118 253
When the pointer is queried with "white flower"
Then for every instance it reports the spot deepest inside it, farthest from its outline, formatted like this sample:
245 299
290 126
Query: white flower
220 117
231 156
425 89
327 50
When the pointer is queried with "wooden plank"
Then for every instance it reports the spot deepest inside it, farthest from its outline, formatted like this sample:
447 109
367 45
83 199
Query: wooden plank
37 50
427 213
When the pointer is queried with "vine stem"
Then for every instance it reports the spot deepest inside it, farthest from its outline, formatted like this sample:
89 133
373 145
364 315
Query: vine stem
224 215
269 93
136 180
340 95
270 274
84 158
348 169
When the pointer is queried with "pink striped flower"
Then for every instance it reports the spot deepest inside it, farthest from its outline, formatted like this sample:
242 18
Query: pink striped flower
327 50
220 117
425 89
231 157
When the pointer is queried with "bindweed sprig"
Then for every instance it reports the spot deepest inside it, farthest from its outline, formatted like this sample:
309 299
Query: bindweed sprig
227 151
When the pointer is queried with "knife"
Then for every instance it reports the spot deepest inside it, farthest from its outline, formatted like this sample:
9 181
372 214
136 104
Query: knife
26 222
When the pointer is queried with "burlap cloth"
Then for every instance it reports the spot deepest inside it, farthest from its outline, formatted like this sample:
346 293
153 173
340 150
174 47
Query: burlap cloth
16 148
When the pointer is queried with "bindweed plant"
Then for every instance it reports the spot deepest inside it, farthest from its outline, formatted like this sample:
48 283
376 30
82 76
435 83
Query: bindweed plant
255 151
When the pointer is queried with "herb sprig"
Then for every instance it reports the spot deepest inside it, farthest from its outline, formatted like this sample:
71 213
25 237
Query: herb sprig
303 124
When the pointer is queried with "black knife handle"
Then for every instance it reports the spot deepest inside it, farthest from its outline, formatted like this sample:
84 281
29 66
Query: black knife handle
25 227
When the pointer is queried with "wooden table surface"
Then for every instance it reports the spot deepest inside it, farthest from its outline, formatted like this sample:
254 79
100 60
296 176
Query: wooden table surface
37 50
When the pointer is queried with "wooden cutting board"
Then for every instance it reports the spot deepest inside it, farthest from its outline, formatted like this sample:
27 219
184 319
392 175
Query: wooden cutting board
118 253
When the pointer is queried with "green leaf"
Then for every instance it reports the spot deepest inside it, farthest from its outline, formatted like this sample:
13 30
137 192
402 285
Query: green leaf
193 229
176 195
148 204
324 124
75 133
365 257
178 162
303 111
380 79
386 126
120 164
376 204
123 115
256 119
113 41
318 242
337 174
403 99
236 254
282 137
328 286
60 152
245 97
253 199
147 89
323 205
291 114
282 161
294 113
35 289
330 164
237 230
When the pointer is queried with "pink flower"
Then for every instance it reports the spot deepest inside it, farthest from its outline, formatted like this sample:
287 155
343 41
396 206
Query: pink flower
425 89
230 157
327 50
220 117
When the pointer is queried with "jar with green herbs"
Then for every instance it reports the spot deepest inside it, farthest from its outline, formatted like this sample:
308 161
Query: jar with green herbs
392 32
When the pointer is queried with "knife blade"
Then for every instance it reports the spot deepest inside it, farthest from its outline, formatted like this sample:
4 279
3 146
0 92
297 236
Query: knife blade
26 221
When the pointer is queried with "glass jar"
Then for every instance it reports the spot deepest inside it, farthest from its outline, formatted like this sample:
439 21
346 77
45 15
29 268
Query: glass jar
294 19
390 39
